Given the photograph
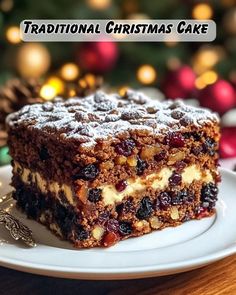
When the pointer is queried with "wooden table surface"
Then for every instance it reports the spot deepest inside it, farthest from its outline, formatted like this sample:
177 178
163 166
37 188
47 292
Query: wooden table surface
217 278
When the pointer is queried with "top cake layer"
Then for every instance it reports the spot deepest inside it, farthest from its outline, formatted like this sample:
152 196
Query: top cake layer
101 117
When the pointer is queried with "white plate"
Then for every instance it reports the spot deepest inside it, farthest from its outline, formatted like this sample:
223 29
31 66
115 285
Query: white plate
173 250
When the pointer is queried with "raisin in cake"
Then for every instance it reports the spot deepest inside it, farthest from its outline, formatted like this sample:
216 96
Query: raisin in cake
104 168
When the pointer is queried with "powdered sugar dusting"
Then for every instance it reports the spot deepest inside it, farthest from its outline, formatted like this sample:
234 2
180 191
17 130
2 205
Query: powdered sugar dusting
101 116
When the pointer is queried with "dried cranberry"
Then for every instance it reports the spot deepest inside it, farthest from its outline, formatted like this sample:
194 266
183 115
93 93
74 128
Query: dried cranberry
121 185
175 140
110 239
95 195
201 212
125 228
165 200
89 172
145 208
175 179
161 156
180 165
112 225
125 147
141 166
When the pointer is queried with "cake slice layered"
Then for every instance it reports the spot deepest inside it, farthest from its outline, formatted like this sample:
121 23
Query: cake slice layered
104 168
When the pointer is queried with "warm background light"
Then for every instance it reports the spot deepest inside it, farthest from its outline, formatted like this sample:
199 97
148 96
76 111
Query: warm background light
47 92
146 74
123 90
57 84
90 79
72 92
99 4
202 11
206 58
173 63
13 35
33 60
6 5
205 79
141 16
69 71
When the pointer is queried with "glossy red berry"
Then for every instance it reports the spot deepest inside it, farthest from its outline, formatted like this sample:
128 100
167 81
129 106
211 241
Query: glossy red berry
121 185
175 140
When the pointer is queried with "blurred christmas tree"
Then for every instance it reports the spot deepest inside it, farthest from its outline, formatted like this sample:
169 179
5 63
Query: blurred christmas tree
36 60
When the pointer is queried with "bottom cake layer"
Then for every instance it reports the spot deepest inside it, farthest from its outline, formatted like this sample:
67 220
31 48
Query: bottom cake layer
130 218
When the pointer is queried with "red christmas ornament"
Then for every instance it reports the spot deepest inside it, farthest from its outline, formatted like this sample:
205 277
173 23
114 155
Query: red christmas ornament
220 96
179 83
228 142
98 57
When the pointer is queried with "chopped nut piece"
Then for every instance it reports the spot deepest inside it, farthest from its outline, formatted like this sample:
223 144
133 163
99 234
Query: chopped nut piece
120 160
174 214
155 222
142 225
149 152
107 165
132 161
173 158
98 232
82 194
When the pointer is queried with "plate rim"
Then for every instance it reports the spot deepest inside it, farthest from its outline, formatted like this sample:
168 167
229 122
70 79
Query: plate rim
112 273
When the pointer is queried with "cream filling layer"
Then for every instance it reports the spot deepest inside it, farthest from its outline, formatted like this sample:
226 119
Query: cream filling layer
44 185
155 180
110 195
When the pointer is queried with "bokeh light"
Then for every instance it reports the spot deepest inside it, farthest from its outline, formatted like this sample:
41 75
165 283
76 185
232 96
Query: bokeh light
33 60
47 92
173 63
99 4
122 91
205 79
6 5
202 11
90 79
206 58
146 74
70 71
57 84
13 35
